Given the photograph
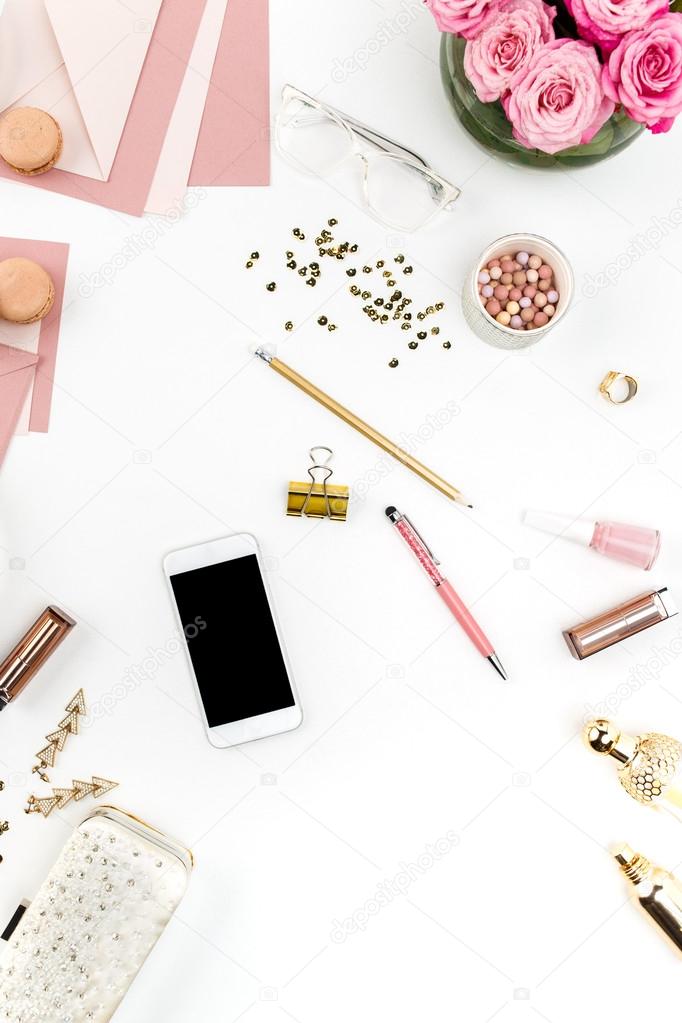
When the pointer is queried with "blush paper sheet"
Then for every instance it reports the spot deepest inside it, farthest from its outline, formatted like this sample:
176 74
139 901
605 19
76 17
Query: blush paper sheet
172 173
234 140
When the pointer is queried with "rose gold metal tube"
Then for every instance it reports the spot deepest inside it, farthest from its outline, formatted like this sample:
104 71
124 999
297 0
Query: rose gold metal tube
619 623
31 652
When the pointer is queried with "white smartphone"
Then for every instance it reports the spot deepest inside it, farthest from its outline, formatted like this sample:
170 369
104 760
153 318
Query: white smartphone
234 644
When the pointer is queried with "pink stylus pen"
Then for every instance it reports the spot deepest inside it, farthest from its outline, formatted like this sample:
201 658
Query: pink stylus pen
430 564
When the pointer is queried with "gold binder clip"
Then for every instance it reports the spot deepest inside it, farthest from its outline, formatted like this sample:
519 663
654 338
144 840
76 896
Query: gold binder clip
319 499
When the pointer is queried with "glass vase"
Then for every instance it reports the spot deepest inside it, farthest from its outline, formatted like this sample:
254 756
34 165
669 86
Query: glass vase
488 125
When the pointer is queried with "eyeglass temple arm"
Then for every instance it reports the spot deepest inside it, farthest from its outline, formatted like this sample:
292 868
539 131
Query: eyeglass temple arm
389 145
382 142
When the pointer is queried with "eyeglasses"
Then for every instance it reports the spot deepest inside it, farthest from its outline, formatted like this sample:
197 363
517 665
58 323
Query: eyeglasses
399 187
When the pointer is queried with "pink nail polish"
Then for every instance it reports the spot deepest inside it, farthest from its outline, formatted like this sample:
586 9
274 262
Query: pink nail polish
635 545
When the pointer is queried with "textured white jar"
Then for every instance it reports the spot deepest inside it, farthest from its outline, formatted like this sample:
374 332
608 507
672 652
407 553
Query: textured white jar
482 323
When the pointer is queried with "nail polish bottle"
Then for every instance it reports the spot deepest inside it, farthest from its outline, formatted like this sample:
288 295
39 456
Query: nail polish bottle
659 893
649 765
636 545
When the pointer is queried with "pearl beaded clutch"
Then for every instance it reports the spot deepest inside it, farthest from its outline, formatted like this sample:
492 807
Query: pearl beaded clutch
105 903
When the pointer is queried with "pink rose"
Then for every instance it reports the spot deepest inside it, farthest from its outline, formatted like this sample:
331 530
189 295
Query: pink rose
505 43
605 22
463 17
644 73
557 101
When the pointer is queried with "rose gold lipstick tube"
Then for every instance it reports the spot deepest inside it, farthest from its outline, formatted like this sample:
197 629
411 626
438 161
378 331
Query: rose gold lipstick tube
31 652
619 623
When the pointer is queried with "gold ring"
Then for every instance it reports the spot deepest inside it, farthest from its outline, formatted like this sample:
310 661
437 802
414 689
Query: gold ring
610 379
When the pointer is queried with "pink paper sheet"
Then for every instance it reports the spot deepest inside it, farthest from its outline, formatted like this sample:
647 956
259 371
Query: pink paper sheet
16 372
150 112
234 140
53 256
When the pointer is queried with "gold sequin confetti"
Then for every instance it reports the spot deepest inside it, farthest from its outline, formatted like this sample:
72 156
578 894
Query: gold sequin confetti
393 363
288 325
271 286
446 344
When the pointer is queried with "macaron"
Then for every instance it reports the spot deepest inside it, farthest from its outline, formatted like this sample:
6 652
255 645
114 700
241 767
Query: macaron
30 140
26 290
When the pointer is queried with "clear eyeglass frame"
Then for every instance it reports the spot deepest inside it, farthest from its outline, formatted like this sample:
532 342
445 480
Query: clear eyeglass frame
382 158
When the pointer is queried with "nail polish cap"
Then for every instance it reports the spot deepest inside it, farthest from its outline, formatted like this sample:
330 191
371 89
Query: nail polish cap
566 526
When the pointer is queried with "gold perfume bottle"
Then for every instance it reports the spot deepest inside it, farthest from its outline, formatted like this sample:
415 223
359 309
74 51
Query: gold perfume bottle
650 765
659 893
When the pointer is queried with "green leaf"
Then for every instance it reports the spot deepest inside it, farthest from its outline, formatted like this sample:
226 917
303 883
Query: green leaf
600 144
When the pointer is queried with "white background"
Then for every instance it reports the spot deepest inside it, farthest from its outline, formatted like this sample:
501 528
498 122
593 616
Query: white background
165 432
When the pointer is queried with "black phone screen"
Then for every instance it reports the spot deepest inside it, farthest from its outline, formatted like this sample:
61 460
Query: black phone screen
232 641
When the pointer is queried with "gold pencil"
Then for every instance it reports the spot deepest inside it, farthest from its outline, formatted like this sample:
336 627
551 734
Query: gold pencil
362 427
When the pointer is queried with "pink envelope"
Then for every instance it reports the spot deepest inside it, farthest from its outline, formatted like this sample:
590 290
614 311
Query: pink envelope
234 140
16 373
53 256
150 112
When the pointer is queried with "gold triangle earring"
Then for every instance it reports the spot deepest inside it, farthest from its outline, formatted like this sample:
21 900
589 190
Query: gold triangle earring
61 797
56 741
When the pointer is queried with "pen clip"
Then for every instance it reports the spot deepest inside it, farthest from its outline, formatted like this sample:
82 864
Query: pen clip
421 540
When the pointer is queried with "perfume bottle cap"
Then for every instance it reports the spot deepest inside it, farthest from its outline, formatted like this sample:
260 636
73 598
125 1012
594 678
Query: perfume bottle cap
566 526
605 737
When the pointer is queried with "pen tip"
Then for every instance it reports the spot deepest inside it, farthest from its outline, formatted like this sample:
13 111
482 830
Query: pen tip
389 511
497 665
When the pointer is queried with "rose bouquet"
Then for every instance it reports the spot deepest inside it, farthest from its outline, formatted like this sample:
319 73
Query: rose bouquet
564 75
